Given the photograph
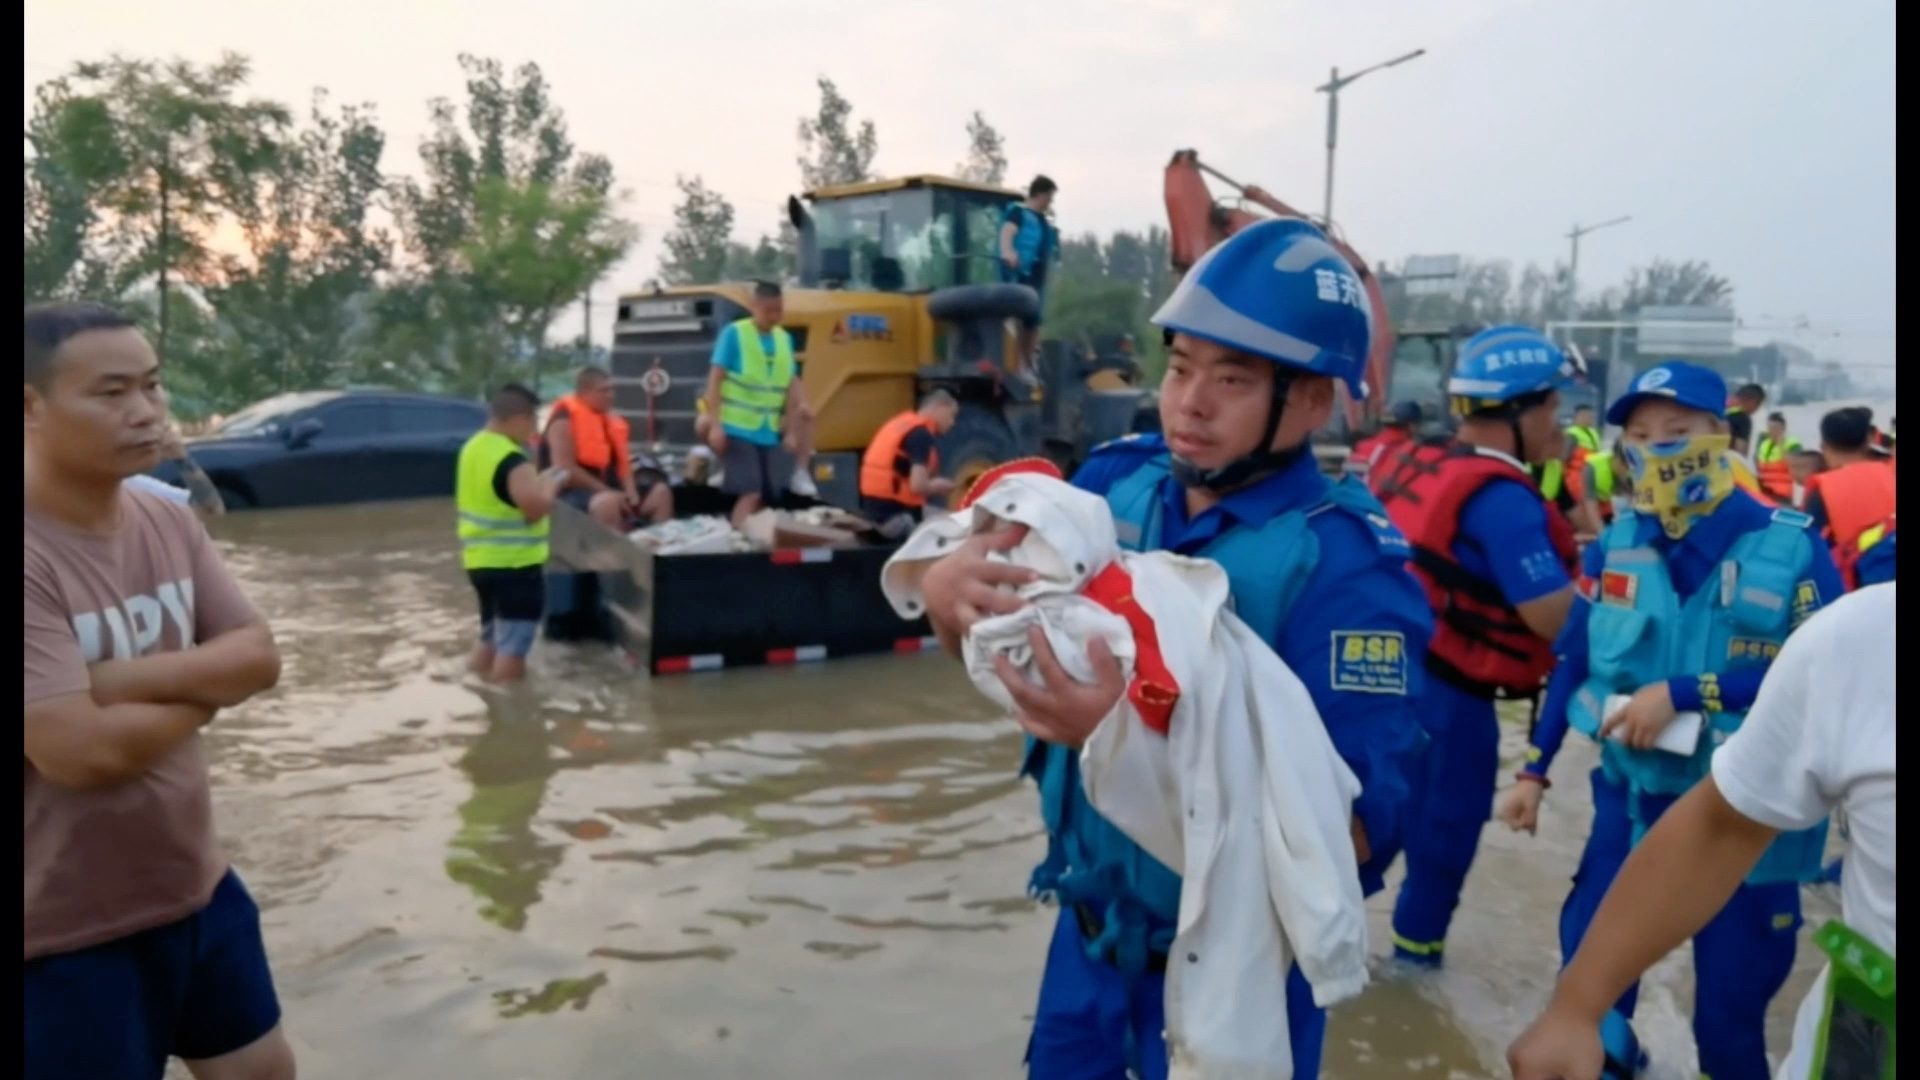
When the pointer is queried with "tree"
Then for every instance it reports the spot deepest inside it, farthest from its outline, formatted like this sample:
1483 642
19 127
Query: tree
1663 283
986 153
159 153
297 301
700 248
508 224
766 260
831 150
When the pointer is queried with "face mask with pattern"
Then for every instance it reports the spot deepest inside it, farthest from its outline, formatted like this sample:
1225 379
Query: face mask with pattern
1681 481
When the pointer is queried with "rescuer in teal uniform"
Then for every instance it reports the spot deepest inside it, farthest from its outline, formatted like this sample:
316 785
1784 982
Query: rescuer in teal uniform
1497 560
1684 601
1261 328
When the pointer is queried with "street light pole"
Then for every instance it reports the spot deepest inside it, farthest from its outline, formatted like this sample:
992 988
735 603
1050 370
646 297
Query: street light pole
1336 83
1573 260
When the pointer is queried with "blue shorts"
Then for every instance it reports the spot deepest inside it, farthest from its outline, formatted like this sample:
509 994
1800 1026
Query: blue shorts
512 603
194 989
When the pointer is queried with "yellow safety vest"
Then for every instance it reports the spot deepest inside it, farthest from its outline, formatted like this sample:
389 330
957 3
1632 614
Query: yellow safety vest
1602 466
494 534
1770 451
1551 476
1585 438
752 401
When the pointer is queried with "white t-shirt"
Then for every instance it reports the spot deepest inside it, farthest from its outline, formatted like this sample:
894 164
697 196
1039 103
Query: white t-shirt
161 488
1820 738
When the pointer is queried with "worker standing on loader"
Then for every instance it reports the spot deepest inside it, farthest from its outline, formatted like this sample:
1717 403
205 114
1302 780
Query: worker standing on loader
765 432
502 503
1497 562
900 470
1262 326
1397 432
1853 501
1029 246
1684 602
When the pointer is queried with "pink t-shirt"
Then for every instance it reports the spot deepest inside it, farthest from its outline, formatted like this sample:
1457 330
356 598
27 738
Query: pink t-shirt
102 864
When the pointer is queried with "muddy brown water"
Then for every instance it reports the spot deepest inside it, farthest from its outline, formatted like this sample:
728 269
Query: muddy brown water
803 872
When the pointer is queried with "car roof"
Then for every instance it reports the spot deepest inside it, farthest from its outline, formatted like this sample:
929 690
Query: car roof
397 395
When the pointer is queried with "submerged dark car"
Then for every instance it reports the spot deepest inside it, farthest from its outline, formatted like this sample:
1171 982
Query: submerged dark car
326 447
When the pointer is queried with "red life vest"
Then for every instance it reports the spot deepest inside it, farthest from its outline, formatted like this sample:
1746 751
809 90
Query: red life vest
1370 450
1480 644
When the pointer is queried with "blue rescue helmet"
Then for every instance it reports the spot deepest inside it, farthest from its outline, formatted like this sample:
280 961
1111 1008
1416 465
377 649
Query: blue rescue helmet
1509 367
1405 414
1279 290
1690 386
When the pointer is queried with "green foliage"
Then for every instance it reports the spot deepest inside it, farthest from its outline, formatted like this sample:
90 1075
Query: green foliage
508 224
137 170
1488 292
111 143
832 150
700 247
986 153
1112 287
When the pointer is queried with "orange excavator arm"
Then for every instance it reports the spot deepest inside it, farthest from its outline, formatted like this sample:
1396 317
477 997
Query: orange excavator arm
1196 221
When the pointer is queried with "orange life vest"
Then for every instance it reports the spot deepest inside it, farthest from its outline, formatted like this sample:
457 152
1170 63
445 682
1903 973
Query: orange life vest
1856 497
884 468
599 439
1480 643
1746 480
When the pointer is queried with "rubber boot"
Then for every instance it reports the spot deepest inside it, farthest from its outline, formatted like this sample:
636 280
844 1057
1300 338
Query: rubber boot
1625 1058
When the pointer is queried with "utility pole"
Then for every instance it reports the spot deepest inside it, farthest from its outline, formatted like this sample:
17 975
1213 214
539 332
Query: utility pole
1573 261
1336 83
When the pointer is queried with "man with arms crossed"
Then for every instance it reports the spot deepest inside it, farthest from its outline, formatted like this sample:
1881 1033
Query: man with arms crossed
141 943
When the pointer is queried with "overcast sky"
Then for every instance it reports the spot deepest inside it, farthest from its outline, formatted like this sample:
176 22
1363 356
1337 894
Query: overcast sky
1756 134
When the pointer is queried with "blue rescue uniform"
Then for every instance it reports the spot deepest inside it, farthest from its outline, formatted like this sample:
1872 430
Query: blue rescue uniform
1503 540
1318 572
1743 957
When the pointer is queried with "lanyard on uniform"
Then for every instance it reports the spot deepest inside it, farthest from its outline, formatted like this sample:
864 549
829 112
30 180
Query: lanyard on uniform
1855 1037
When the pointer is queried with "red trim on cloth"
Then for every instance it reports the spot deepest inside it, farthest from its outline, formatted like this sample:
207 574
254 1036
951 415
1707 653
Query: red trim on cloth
1153 691
985 480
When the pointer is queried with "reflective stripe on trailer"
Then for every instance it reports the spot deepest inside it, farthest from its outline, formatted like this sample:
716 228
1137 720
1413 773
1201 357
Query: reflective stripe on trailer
676 665
916 644
805 654
794 556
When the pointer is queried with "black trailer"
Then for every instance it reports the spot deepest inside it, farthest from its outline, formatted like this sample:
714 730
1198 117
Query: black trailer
684 613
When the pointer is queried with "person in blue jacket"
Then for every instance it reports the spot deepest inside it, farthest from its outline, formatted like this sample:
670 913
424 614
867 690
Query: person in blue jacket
1029 246
1684 602
1497 561
1260 327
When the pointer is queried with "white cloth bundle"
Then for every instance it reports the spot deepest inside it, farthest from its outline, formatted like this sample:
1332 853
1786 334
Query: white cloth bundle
1245 795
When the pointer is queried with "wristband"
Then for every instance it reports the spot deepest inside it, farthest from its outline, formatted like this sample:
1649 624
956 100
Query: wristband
1524 775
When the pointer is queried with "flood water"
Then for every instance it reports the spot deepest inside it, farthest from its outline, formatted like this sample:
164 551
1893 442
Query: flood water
802 872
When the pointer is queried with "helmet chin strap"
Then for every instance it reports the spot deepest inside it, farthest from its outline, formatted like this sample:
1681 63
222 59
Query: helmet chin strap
1260 462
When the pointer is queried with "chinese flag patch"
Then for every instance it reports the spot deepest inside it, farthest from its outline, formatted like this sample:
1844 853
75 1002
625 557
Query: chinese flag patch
1619 587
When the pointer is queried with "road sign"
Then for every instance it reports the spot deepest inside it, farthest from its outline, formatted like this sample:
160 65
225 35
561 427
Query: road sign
656 381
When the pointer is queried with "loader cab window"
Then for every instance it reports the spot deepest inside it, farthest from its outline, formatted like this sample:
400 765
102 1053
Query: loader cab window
1420 367
976 217
886 237
911 240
